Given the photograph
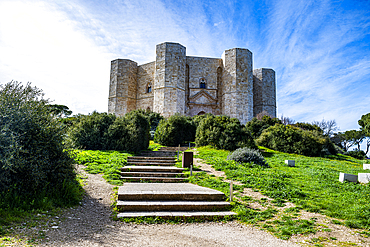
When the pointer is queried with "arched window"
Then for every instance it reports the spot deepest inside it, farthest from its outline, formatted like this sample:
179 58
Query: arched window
149 88
202 83
201 113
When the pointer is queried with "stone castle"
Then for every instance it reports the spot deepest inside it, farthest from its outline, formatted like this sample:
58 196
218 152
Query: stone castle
176 83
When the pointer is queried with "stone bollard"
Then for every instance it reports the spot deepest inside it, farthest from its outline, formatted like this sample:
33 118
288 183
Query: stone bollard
290 163
187 159
366 166
364 178
347 177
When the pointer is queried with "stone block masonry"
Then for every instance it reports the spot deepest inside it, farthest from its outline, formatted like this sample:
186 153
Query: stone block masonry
176 83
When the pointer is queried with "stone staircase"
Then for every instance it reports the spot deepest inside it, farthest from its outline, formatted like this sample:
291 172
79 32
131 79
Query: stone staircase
170 200
167 197
153 167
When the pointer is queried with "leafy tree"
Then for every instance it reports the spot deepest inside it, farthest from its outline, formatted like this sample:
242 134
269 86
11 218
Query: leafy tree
348 139
255 126
364 122
34 167
290 139
60 111
175 130
223 132
308 126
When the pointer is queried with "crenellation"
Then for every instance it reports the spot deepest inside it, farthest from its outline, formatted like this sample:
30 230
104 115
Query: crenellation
176 83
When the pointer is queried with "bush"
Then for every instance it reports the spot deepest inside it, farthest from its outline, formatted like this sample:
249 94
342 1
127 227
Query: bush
102 131
223 132
34 167
290 139
247 155
357 154
90 132
255 126
176 130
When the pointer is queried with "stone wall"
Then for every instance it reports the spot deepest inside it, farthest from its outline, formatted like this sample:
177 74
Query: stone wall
169 83
205 70
237 96
122 87
264 96
145 78
232 87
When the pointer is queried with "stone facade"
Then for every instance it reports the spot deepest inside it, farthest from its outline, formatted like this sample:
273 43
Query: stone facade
176 83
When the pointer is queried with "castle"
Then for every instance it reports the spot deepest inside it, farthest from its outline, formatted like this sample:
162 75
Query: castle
192 86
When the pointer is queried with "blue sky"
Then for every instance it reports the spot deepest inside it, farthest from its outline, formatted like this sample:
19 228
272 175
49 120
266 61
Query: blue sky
320 50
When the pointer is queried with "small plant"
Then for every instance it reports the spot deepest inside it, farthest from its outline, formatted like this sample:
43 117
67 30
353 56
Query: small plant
247 155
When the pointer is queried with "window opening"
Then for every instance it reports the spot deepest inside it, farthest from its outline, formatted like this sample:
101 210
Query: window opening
202 83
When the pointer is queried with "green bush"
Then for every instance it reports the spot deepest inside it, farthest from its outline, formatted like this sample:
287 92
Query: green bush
357 154
176 130
223 132
35 170
90 132
247 155
102 131
255 126
290 139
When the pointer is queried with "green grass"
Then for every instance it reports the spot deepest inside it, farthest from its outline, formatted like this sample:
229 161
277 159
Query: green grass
107 163
313 184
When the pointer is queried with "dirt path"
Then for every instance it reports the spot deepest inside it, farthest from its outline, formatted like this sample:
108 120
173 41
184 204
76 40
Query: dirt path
90 225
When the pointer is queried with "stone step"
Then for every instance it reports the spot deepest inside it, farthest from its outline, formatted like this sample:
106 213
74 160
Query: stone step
151 169
150 163
169 214
155 179
152 174
168 192
172 161
150 158
158 154
171 205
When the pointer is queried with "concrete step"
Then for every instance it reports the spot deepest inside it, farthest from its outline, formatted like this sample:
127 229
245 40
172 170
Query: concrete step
171 205
169 214
168 192
150 163
152 174
151 169
155 179
151 158
158 154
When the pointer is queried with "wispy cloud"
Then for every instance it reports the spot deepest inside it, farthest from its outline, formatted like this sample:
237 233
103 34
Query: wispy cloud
319 49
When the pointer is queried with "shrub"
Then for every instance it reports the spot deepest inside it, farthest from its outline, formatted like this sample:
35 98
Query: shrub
102 131
247 155
223 132
34 167
290 139
176 130
255 126
357 154
90 132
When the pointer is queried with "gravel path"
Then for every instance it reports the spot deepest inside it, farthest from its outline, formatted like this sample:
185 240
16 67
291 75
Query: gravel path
90 225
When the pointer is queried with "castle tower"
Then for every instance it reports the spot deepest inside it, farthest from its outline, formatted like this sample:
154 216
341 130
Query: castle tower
237 88
264 88
169 81
122 87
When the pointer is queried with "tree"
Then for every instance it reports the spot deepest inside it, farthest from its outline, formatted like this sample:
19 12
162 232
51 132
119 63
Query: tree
348 139
286 120
256 126
60 111
328 127
34 165
364 122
